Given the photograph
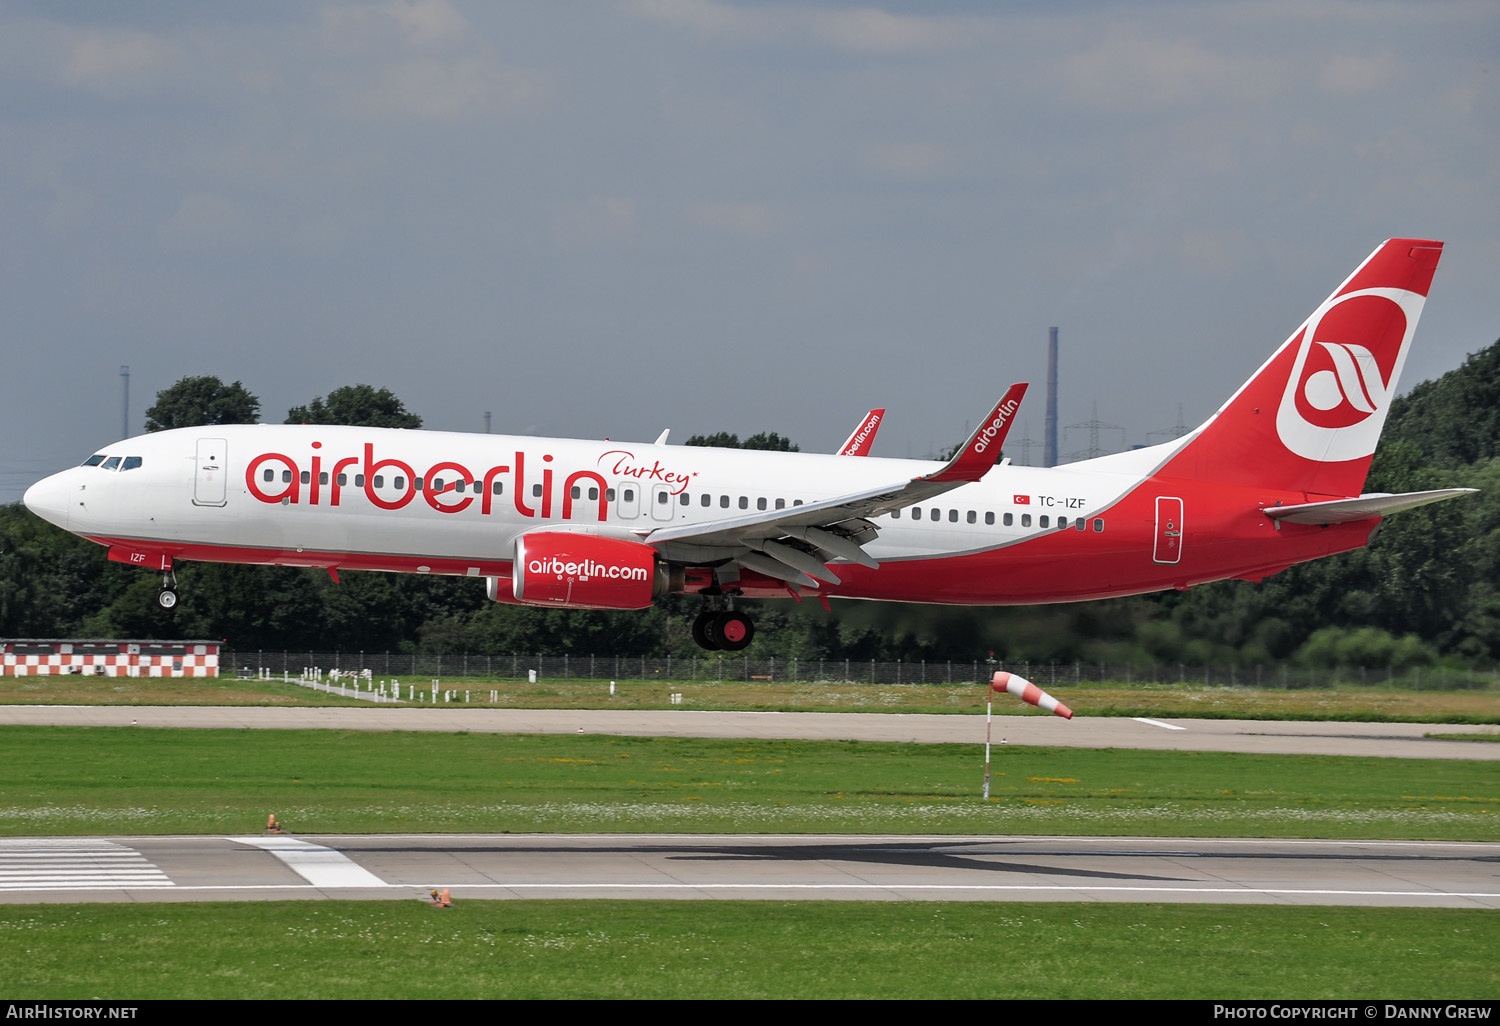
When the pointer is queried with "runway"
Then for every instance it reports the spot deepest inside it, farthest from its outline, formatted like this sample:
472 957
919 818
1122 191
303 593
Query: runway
874 868
1271 737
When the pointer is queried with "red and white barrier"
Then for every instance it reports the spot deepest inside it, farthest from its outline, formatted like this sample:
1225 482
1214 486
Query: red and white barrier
109 658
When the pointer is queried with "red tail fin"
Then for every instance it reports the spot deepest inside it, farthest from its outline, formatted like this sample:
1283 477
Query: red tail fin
1310 417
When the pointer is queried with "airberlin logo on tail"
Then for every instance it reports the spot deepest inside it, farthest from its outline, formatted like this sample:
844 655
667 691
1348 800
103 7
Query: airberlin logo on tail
994 427
1348 359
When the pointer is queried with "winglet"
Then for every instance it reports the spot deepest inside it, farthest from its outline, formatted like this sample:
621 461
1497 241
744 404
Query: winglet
982 449
858 444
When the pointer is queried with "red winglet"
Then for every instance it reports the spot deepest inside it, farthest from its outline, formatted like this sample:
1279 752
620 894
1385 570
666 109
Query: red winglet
858 444
982 449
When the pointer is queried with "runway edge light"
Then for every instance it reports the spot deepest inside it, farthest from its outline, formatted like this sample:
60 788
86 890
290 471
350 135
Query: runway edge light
1029 693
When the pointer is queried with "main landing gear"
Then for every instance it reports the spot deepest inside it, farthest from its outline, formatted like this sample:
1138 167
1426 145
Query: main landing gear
728 630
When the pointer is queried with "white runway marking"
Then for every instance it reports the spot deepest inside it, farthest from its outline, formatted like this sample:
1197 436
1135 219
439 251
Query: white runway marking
47 864
1157 723
319 866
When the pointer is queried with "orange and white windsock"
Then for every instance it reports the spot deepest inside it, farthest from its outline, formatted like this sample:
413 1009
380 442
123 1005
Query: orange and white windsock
1029 693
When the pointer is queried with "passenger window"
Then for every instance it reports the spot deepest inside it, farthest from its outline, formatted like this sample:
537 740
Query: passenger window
973 519
1009 518
1080 523
662 498
306 477
323 477
416 483
379 480
398 482
895 514
916 512
744 502
989 518
934 514
593 493
536 491
796 502
760 503
286 476
1062 522
781 504
953 516
723 502
359 480
609 495
268 476
576 492
706 500
94 461
1043 521
343 479
686 500
1098 524
496 487
1026 520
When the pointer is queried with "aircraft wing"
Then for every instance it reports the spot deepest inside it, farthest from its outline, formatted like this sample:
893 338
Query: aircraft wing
792 543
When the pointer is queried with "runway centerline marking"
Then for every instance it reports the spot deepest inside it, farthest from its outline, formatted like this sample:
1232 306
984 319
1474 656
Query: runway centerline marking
1157 723
319 865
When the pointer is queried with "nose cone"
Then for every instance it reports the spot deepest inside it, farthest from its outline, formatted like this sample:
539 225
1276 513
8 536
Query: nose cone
49 499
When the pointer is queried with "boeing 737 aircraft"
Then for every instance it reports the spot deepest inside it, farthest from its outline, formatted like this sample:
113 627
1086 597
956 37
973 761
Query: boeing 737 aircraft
1271 479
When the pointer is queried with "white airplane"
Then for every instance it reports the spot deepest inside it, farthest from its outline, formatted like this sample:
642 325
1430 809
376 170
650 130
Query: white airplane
1271 479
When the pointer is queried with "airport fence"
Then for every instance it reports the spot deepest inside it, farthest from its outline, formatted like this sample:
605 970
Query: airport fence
724 667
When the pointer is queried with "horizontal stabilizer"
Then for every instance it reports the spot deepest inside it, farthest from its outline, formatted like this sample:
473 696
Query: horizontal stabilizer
1366 507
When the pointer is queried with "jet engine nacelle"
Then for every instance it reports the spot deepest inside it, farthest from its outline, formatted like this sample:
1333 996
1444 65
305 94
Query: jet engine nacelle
584 571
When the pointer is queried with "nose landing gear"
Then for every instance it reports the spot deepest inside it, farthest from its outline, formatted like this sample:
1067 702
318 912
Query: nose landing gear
167 597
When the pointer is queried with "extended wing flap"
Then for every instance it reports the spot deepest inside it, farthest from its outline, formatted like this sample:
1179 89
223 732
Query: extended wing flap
1366 507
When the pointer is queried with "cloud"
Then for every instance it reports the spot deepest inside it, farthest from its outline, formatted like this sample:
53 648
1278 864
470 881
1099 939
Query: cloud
1129 70
752 220
442 90
598 220
418 59
856 30
1357 76
910 162
105 58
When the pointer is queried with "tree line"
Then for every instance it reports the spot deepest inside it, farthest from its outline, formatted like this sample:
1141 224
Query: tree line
1424 590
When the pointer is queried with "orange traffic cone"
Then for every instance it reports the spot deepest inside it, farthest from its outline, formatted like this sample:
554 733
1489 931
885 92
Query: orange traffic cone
440 900
272 826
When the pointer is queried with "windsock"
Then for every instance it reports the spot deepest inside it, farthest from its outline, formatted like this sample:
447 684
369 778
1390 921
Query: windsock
1029 693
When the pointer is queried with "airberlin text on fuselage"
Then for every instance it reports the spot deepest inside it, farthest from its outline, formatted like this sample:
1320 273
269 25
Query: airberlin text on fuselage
449 487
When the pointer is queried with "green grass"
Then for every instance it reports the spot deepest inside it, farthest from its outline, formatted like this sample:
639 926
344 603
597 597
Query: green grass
632 949
63 780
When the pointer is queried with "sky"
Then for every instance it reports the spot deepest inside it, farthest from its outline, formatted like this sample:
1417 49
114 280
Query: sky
607 219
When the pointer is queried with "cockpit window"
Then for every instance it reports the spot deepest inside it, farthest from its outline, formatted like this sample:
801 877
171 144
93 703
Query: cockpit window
131 462
94 461
112 463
